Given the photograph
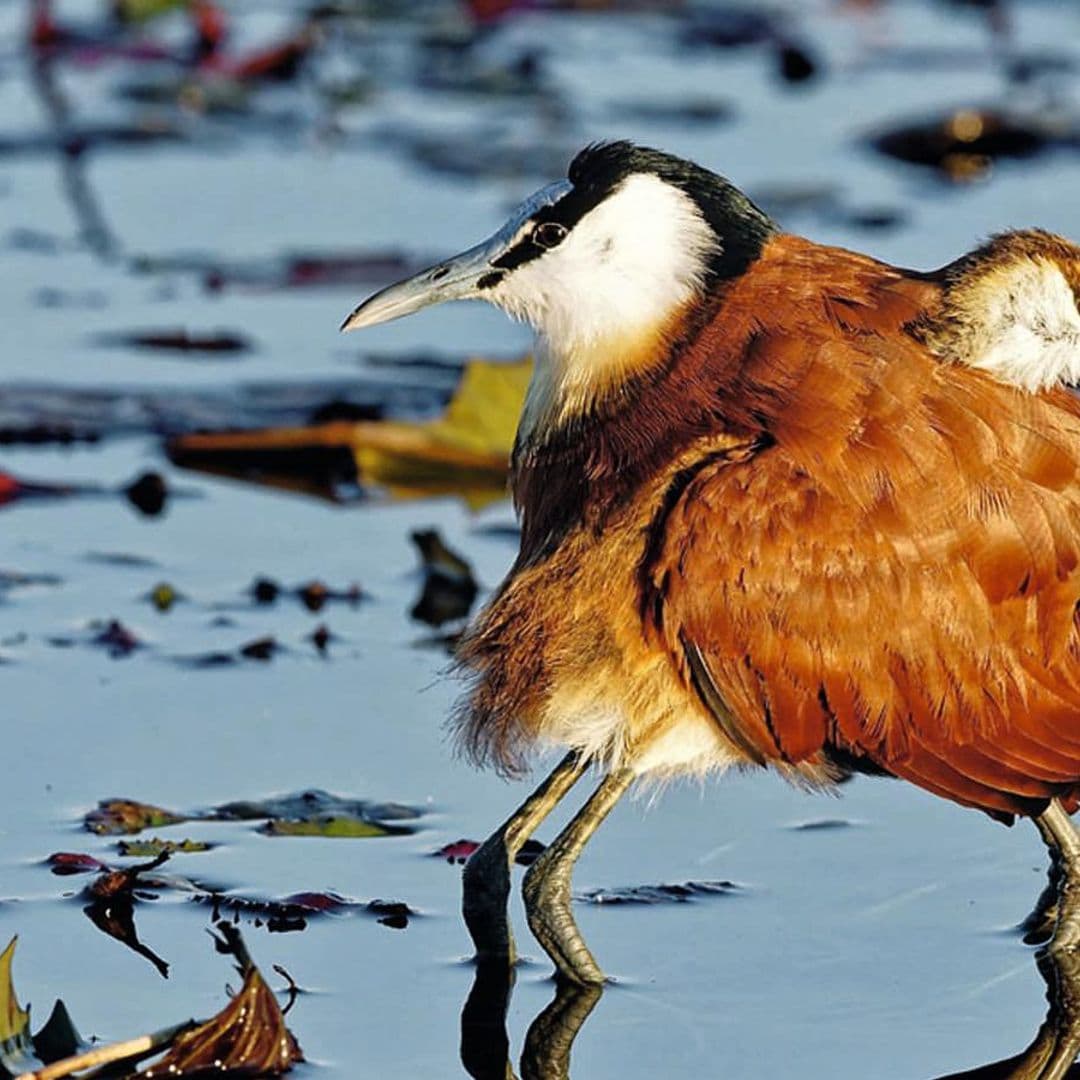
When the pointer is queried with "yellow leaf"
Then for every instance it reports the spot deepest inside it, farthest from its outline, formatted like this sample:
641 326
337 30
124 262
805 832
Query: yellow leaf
14 1021
466 451
140 10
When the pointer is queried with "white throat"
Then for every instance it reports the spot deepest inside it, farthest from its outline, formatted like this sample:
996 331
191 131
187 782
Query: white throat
604 296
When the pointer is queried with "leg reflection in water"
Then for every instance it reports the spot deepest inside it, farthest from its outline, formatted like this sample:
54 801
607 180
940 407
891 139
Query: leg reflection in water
1057 1042
485 1048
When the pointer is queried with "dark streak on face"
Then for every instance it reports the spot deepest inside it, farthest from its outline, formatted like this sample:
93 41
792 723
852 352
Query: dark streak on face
489 281
740 227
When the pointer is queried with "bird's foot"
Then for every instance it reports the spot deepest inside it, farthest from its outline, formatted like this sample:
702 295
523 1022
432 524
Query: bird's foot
547 905
485 895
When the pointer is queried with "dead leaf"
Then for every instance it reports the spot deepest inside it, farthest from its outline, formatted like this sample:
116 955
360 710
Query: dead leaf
247 1038
459 851
74 862
114 816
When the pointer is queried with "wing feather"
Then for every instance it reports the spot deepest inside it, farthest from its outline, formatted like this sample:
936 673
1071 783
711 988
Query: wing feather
896 577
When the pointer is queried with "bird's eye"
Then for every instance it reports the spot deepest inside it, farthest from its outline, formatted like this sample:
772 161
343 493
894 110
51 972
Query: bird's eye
549 234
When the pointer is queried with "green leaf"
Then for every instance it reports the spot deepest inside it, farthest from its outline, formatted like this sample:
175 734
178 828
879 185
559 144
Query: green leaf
332 826
152 848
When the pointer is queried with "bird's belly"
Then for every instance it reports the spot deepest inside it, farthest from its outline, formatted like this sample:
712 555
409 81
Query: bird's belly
561 657
640 714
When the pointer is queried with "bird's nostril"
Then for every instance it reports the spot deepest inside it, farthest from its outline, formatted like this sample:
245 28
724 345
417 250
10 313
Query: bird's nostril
438 275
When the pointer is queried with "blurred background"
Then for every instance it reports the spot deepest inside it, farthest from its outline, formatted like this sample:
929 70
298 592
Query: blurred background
236 548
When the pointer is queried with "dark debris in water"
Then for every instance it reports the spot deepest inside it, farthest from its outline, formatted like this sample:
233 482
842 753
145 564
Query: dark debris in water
449 589
216 343
962 145
823 825
313 595
289 914
658 894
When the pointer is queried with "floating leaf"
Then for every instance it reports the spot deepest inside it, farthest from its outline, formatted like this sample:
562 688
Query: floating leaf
163 596
328 814
155 846
460 850
332 825
313 802
116 816
465 451
117 639
74 862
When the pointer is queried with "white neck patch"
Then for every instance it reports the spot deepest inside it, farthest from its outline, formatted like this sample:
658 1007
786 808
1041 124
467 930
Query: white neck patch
1027 330
619 276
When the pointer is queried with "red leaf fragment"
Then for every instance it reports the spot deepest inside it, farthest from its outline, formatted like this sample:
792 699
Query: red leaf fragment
460 850
457 852
74 862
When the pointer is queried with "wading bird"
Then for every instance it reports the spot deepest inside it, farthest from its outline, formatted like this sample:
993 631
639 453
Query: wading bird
782 505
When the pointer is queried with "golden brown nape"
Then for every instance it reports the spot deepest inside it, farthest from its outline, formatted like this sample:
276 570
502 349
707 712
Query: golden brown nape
782 505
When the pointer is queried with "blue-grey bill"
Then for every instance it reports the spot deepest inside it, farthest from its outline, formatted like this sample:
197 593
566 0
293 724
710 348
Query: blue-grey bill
456 278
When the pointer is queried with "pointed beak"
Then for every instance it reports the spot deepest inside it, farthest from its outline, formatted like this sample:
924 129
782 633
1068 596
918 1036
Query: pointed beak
458 278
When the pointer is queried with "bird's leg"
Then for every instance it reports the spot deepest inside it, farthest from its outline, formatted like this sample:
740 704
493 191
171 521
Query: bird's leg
1061 838
486 879
551 1035
547 886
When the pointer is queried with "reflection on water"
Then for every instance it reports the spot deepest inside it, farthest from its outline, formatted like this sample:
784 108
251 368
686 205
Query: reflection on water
485 1046
1057 1042
486 1055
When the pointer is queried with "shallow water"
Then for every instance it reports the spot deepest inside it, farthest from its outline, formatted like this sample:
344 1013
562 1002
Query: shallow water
879 947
